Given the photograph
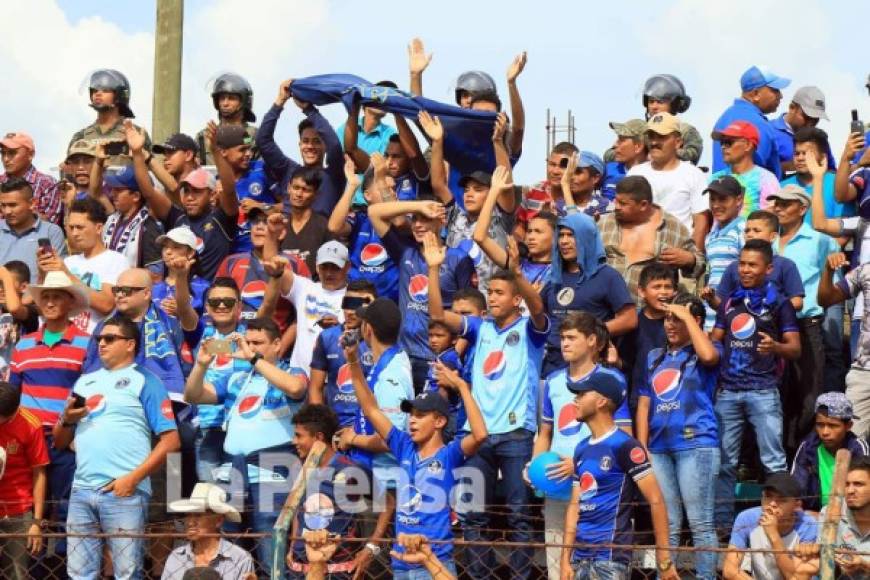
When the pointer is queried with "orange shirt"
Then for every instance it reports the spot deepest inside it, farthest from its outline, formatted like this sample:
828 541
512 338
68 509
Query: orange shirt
23 439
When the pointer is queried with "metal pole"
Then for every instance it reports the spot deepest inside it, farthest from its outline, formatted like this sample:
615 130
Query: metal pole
166 110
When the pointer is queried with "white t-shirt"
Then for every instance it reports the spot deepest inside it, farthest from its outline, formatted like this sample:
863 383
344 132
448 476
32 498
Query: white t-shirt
312 303
678 191
104 268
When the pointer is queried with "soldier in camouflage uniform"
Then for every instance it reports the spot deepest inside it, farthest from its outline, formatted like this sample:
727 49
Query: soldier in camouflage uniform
109 92
233 99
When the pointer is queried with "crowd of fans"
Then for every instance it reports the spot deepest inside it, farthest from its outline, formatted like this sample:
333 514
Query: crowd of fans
671 333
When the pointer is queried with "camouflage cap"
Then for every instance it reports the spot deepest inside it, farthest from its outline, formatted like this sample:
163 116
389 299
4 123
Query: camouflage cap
634 128
82 147
835 405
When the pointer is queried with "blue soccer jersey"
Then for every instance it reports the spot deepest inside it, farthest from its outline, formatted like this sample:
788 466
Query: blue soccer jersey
369 258
125 407
456 272
743 368
338 393
423 506
560 412
606 471
506 371
255 185
450 359
681 391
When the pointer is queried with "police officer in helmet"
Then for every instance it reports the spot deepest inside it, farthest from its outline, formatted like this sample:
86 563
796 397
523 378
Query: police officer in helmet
233 99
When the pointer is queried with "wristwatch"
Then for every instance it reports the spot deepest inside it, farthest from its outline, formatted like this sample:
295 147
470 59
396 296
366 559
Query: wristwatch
665 565
373 548
253 360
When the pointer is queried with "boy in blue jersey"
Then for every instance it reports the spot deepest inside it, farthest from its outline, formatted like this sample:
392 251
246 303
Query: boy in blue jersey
442 341
124 405
259 405
505 374
427 464
677 424
415 285
609 466
330 374
758 329
584 343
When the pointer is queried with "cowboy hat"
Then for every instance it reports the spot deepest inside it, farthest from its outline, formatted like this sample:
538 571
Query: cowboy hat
60 281
207 497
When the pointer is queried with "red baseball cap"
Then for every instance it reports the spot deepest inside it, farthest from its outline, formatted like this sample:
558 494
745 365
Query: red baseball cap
739 130
18 140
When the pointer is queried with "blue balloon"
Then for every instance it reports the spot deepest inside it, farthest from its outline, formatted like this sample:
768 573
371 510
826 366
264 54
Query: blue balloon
552 488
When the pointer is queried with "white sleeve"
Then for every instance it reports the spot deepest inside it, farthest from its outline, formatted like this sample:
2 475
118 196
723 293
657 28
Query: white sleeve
301 287
699 201
113 268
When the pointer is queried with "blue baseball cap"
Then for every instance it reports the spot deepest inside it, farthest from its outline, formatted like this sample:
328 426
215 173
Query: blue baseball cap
756 77
601 382
590 159
121 178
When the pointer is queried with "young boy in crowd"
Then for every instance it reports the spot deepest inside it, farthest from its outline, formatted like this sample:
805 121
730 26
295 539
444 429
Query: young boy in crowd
725 239
442 341
17 317
813 466
427 463
763 225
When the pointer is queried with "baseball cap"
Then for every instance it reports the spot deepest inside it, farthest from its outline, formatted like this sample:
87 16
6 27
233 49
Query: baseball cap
121 177
182 235
602 383
784 484
18 140
229 136
478 176
591 160
739 130
426 403
811 101
82 147
177 142
381 313
791 192
199 179
634 128
725 185
835 405
756 77
332 252
663 124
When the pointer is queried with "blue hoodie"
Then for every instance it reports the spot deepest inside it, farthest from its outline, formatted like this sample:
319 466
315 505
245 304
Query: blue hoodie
590 248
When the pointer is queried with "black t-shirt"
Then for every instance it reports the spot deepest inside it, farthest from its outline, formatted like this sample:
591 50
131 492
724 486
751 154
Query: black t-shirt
305 242
215 232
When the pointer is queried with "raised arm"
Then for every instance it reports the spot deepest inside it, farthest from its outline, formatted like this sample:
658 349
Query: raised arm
707 353
450 378
518 113
843 190
821 222
158 202
507 200
228 199
534 303
501 181
95 188
382 214
565 183
418 60
829 293
411 147
434 253
337 224
277 163
187 316
438 174
351 135
196 389
366 397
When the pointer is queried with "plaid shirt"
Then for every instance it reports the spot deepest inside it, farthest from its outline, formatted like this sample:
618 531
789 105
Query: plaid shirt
45 192
671 234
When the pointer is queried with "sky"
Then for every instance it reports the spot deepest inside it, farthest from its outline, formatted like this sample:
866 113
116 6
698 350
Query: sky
591 59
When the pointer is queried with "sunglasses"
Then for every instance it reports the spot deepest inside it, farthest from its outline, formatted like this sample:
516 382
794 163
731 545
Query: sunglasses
354 302
126 291
218 302
111 338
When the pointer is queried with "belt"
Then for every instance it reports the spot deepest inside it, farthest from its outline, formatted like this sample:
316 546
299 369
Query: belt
330 568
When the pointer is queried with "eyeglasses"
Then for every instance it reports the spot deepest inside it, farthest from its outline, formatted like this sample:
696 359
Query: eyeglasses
111 338
218 302
727 142
126 291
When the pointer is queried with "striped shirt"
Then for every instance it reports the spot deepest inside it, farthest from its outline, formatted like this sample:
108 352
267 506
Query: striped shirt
723 245
45 374
49 204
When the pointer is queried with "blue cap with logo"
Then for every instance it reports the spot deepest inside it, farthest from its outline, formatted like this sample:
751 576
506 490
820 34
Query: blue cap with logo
603 383
835 405
756 77
121 177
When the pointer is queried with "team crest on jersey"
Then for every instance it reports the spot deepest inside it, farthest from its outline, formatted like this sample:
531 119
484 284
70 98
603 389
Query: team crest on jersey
513 338
606 463
208 226
565 296
256 188
435 467
122 383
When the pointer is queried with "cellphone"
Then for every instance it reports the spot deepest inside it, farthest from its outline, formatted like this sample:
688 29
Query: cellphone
857 125
116 148
349 338
45 246
79 401
220 346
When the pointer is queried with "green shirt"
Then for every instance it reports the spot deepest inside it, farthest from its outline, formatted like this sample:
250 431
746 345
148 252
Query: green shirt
826 472
51 338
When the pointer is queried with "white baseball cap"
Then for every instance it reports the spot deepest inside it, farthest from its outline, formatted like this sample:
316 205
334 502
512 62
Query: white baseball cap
181 235
332 252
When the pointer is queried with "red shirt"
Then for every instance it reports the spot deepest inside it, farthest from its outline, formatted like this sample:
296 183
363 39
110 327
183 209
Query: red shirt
24 442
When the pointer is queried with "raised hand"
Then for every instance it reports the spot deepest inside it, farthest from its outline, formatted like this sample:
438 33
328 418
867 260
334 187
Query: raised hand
432 210
500 127
275 266
418 60
516 67
135 138
816 168
431 125
283 92
210 135
836 261
433 252
379 164
350 172
502 179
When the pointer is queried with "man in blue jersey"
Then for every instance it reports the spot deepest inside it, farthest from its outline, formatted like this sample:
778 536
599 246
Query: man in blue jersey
415 284
427 465
125 404
505 374
760 96
757 328
259 404
609 466
330 373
